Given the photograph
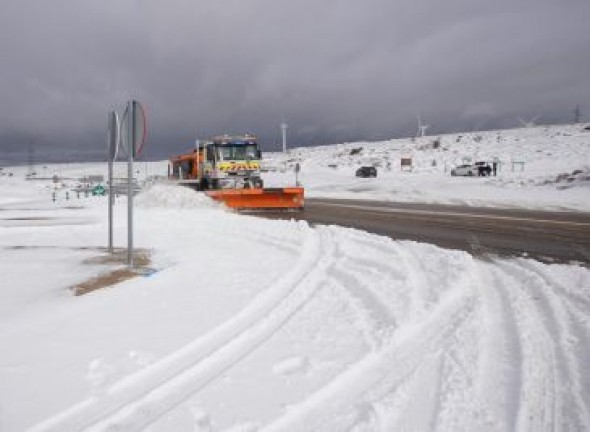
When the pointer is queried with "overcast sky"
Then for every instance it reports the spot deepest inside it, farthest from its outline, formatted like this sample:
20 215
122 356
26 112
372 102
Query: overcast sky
335 70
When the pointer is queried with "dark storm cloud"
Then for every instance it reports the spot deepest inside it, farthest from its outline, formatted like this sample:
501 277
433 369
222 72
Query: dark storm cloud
335 70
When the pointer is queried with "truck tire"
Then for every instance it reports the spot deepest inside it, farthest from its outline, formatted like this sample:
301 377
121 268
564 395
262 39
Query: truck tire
257 183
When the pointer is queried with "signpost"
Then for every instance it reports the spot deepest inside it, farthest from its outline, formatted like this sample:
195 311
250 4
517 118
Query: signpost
131 133
406 163
113 146
297 169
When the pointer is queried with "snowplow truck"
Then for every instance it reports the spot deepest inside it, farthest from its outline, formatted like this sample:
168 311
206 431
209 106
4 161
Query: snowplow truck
227 168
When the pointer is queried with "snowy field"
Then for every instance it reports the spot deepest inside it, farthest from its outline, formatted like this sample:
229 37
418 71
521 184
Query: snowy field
245 324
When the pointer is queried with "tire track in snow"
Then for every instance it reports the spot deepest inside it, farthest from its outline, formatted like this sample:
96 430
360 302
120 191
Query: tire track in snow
373 318
380 371
500 352
378 244
373 258
578 337
373 312
557 332
536 403
138 400
444 380
570 311
461 406
539 404
413 405
376 319
577 303
368 324
420 286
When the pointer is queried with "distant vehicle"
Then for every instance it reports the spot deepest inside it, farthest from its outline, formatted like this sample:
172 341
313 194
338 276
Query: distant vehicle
483 169
366 171
465 170
98 190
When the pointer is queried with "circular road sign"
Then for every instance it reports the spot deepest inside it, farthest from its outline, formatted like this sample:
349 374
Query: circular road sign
138 122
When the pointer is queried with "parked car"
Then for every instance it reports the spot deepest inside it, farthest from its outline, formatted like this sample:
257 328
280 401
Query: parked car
366 171
465 170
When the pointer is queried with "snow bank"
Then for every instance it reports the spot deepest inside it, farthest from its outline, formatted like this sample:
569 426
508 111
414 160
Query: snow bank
174 196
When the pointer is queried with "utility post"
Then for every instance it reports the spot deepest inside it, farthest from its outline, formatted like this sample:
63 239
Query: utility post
284 131
132 140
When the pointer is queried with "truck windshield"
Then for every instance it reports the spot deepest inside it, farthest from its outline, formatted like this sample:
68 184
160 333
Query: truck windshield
238 152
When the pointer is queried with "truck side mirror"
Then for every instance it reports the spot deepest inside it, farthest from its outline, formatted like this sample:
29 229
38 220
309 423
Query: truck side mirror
259 154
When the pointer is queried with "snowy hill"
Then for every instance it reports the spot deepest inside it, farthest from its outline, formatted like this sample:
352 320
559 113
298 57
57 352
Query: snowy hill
235 323
538 167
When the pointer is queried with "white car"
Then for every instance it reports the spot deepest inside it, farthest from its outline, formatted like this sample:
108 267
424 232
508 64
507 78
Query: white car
465 170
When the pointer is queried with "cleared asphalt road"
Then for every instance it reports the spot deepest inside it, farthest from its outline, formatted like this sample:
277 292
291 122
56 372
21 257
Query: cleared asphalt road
547 236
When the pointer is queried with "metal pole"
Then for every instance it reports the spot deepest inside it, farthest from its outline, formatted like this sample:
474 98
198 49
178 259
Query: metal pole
284 130
113 134
111 203
130 151
200 165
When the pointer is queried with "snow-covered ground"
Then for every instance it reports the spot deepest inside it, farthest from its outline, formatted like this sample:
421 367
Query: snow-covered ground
258 325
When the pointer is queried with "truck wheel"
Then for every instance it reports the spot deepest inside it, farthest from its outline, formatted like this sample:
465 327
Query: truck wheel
257 183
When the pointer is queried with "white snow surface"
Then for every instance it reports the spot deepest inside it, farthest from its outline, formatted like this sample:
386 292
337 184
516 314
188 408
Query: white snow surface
246 324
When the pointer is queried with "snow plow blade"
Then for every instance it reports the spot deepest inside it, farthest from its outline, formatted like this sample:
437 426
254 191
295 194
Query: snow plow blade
271 198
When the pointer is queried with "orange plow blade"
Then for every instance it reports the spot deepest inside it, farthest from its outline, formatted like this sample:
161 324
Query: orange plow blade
271 198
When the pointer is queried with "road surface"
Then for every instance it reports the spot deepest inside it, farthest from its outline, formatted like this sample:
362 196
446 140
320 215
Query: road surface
547 236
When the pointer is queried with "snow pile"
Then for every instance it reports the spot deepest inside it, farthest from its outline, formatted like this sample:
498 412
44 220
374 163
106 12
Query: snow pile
174 196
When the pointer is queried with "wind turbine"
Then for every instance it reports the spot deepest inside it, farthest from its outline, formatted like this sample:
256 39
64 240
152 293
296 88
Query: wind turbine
284 135
577 116
421 127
